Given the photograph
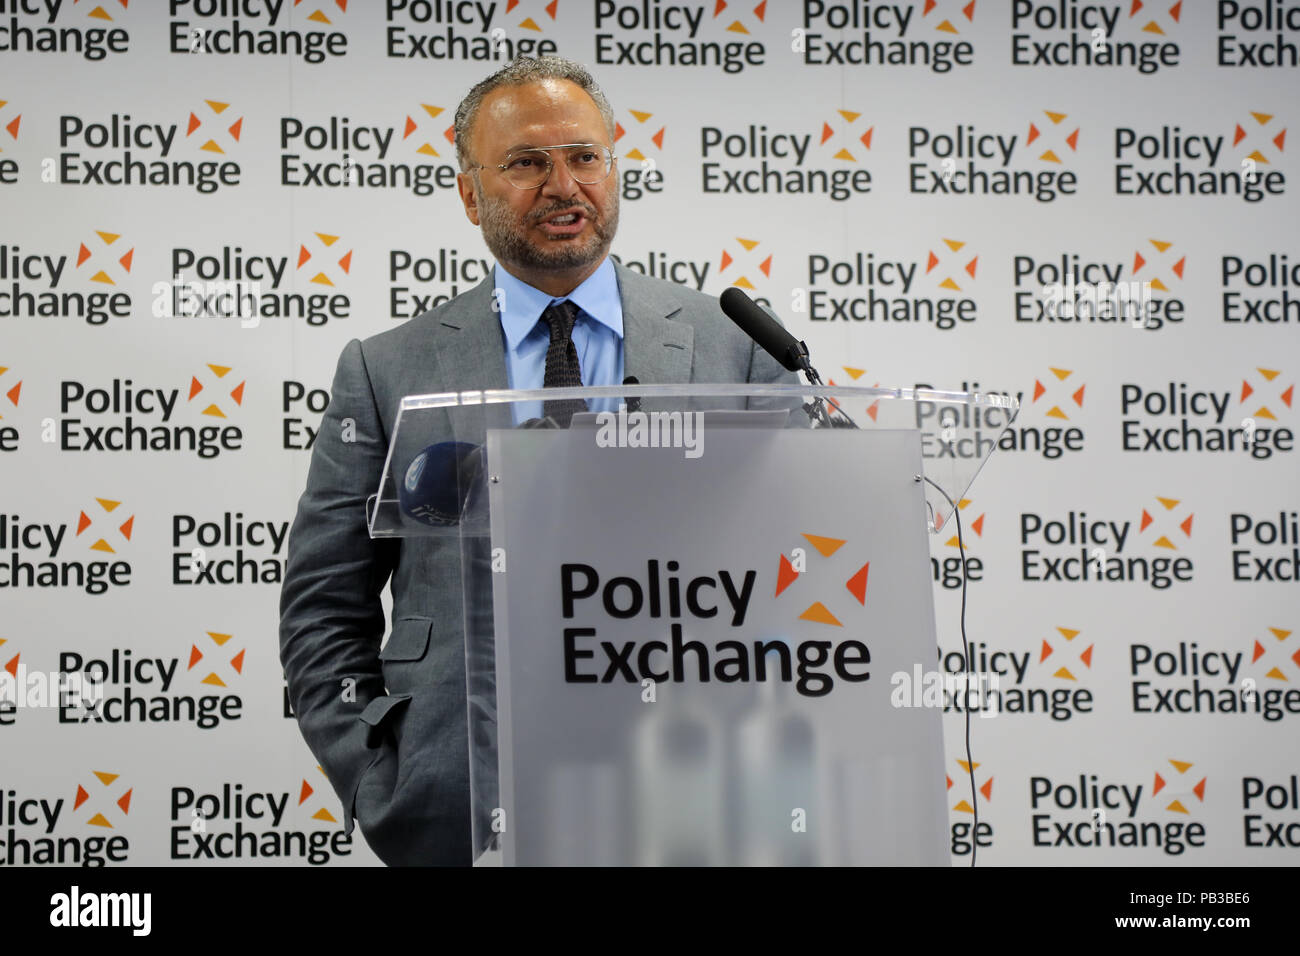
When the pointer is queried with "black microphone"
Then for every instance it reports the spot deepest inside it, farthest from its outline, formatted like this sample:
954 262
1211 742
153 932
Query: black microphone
782 346
764 330
633 404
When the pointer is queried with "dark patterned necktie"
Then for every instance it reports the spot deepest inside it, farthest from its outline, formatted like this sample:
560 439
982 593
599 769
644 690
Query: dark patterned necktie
562 367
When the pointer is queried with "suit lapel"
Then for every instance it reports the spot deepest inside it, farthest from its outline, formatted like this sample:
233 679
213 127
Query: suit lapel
657 349
470 356
471 352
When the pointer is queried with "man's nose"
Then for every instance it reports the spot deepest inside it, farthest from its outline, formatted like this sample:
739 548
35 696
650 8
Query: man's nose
560 184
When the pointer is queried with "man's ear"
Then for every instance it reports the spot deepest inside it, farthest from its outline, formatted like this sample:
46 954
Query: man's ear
468 195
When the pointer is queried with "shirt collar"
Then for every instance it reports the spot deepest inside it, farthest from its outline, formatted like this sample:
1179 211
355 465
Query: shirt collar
523 305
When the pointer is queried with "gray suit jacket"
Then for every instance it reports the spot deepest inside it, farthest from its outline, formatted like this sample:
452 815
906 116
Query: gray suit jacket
394 746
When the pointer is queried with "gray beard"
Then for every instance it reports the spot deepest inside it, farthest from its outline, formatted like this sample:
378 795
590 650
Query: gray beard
506 240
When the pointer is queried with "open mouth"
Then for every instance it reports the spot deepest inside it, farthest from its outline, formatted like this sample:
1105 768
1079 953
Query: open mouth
564 224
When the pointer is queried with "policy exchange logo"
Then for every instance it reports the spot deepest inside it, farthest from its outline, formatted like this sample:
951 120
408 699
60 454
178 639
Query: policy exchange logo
746 260
10 388
108 790
1179 798
9 125
105 514
792 568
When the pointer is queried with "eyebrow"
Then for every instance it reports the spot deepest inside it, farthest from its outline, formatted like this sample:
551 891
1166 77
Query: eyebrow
518 146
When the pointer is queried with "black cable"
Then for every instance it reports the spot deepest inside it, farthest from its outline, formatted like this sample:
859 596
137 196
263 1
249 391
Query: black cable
965 649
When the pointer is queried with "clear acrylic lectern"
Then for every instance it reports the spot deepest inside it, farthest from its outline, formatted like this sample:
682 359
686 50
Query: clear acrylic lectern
682 613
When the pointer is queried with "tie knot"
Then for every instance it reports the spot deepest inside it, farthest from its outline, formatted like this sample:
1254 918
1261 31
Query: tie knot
560 316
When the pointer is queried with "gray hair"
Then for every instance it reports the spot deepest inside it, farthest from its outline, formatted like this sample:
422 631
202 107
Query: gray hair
520 72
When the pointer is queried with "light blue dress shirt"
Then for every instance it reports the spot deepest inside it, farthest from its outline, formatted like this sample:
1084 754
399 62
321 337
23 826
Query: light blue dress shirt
597 334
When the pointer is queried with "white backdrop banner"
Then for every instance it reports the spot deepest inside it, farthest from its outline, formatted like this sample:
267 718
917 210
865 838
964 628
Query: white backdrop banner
1089 206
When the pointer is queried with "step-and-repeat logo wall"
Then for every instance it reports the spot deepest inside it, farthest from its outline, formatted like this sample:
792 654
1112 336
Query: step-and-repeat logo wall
1087 206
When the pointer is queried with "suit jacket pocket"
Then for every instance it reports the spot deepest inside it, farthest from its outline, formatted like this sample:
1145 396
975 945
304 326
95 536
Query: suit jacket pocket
378 717
407 645
409 640
377 714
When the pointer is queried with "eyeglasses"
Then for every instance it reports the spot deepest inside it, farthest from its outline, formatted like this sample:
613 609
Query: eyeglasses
588 163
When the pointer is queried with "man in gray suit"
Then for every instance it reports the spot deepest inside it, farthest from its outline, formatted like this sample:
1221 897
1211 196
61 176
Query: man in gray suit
389 727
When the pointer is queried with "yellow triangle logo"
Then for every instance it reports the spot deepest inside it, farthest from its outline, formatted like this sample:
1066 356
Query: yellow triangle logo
530 24
1182 766
1050 157
214 680
1160 245
844 154
1177 807
953 244
636 154
1065 673
1258 156
1153 27
319 17
825 546
946 27
323 814
749 244
949 284
321 278
105 778
212 147
1061 373
854 373
427 150
1169 503
963 807
1055 412
1159 286
102 545
102 276
108 237
219 638
1279 633
1265 413
1163 542
743 283
107 504
641 115
1268 373
99 820
737 27
1068 633
818 614
431 110
220 371
213 411
1054 117
968 767
1276 674
327 239
849 115
1261 118
217 107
